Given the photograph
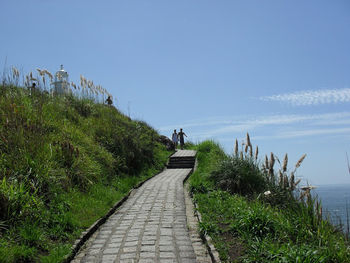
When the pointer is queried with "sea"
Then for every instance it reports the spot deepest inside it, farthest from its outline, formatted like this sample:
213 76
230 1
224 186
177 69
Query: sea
335 200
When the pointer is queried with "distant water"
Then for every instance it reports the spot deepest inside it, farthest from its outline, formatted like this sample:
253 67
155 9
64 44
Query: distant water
334 199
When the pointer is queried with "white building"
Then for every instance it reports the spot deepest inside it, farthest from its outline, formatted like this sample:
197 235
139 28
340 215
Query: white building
61 85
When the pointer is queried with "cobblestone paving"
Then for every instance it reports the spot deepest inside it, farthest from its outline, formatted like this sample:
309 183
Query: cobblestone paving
149 227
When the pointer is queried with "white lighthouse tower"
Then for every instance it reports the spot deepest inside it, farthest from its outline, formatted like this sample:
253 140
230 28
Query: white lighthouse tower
61 82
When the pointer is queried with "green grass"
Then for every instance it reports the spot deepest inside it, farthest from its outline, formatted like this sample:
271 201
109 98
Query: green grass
246 226
64 162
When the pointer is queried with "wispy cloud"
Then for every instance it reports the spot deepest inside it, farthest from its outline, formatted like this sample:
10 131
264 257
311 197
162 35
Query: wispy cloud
198 123
280 120
315 97
276 126
312 132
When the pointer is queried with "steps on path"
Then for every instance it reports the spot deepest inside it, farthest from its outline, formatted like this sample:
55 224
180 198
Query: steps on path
150 225
183 159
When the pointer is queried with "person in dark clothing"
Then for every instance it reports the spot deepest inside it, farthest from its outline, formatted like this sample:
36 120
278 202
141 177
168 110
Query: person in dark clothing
181 135
33 88
109 100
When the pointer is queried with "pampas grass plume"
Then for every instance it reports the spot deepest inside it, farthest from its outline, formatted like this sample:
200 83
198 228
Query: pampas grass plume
236 148
272 161
248 140
246 148
300 161
285 163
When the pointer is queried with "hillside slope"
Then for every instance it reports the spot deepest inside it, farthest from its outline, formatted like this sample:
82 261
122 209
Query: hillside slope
64 162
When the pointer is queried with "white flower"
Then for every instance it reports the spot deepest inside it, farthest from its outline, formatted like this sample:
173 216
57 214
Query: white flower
267 193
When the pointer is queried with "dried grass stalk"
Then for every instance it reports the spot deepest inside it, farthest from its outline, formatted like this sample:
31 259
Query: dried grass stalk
246 148
236 148
250 151
248 140
280 178
292 183
285 182
285 163
300 161
15 72
272 161
49 74
41 72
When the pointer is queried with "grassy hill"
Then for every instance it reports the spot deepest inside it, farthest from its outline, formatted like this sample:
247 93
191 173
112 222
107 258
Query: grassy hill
64 162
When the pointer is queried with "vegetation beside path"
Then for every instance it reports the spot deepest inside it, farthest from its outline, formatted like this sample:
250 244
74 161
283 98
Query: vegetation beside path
256 214
64 162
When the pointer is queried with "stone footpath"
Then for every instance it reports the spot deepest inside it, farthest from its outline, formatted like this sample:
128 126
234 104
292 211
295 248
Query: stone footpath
150 226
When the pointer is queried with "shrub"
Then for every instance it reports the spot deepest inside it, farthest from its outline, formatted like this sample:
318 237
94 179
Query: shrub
241 176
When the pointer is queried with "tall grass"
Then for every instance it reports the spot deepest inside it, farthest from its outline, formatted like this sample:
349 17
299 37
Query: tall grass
43 79
58 154
256 212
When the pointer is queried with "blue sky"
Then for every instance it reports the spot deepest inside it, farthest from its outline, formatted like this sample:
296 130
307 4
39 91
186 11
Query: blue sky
279 70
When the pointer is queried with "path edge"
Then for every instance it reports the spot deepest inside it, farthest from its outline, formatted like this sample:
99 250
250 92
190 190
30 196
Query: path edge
85 235
208 242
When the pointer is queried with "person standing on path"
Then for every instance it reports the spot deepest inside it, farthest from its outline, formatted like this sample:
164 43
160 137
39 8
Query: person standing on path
181 135
175 139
